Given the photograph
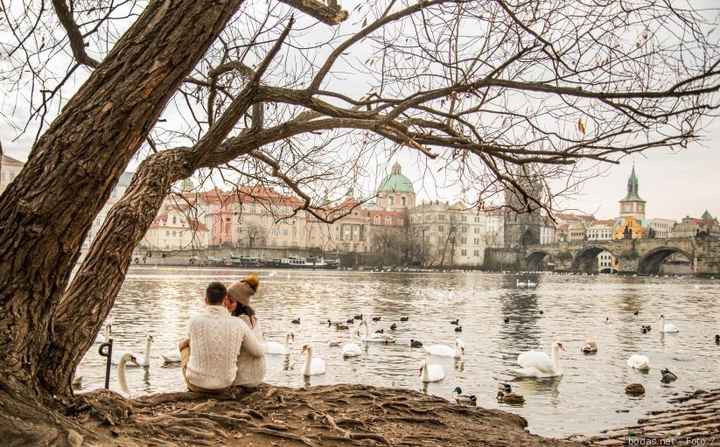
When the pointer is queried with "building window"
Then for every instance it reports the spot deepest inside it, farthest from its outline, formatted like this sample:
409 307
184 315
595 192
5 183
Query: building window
440 228
476 253
392 200
463 252
403 201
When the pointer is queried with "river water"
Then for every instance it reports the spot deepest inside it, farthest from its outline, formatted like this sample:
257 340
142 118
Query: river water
589 397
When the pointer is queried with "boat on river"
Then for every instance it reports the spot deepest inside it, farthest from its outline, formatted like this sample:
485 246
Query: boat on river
311 262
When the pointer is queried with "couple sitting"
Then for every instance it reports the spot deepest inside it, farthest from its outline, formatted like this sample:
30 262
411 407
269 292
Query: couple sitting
226 346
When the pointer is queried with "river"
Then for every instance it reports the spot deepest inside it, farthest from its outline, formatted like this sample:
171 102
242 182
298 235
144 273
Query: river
589 397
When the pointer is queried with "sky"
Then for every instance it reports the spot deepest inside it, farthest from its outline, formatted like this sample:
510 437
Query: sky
674 184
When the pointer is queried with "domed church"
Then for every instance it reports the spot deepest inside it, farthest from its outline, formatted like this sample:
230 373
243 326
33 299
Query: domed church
396 191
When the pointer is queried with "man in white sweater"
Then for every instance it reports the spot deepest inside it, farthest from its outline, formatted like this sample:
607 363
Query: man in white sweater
216 338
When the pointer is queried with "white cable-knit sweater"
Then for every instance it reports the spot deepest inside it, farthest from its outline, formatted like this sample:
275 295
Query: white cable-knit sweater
216 338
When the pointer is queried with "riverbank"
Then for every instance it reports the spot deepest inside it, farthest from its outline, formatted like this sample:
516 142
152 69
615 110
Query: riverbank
693 421
334 415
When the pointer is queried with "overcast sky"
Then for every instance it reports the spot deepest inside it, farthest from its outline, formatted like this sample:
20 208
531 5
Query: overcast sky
674 184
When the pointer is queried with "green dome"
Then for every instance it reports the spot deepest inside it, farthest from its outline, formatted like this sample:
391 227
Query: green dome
396 182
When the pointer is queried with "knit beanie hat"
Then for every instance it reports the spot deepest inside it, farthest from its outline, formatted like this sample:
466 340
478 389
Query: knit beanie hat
242 290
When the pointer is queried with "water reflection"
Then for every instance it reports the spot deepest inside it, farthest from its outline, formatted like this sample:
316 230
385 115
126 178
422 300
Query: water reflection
566 308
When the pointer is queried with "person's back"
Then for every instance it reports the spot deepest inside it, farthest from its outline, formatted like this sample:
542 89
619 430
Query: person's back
250 368
216 339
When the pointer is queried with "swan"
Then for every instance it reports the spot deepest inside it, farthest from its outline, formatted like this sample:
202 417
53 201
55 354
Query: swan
538 364
106 336
639 362
314 366
277 348
124 359
446 351
667 328
351 349
375 338
140 360
431 372
170 359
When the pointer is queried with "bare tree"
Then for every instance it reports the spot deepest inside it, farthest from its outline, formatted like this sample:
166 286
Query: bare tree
477 88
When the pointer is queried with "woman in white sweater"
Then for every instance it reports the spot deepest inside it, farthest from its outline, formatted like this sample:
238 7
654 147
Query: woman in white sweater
250 368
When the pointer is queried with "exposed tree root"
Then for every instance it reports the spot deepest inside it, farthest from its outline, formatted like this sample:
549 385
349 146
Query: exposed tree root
273 416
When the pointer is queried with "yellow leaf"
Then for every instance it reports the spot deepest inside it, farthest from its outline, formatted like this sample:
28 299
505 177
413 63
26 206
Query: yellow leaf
581 126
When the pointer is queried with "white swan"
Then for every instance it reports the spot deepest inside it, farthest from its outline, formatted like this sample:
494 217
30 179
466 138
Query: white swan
140 360
667 328
276 348
106 336
446 351
639 362
375 338
431 372
538 364
124 359
314 366
351 349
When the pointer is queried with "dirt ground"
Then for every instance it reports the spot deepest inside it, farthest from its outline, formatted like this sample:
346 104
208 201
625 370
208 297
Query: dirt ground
338 415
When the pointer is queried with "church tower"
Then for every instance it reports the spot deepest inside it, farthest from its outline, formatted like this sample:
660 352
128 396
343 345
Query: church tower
632 205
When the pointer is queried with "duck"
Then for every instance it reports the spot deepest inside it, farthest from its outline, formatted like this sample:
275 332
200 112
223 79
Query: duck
590 347
535 364
636 313
380 331
276 348
464 399
341 327
455 322
507 320
393 327
77 382
667 376
140 359
430 372
667 328
506 396
314 366
127 359
458 328
415 343
446 351
645 328
717 339
334 343
358 317
639 362
376 319
375 338
404 318
541 312
295 321
350 321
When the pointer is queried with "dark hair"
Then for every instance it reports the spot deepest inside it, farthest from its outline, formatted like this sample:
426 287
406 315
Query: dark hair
215 293
241 309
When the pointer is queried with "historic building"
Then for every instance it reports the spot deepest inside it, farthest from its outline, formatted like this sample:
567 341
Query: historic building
661 228
396 191
524 222
631 224
9 169
705 226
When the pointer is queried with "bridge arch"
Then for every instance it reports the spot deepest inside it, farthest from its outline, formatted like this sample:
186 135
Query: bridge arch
585 259
536 260
651 261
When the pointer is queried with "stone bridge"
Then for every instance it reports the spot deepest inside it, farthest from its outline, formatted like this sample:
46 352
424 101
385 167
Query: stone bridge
642 256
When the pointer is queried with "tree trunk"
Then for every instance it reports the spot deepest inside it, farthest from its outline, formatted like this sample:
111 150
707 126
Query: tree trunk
91 294
47 211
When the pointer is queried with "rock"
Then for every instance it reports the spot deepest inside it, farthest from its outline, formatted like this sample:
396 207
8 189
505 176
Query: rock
635 389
